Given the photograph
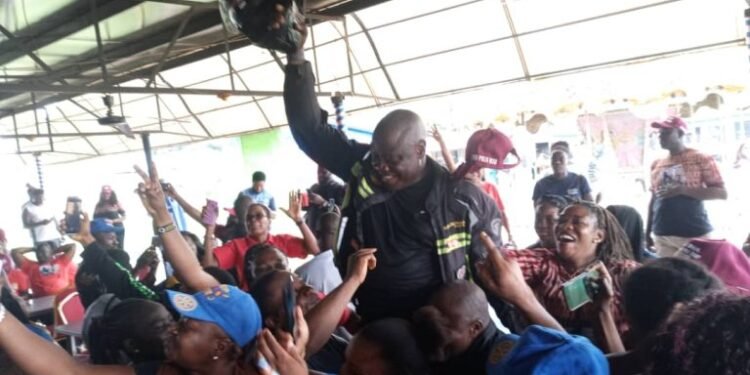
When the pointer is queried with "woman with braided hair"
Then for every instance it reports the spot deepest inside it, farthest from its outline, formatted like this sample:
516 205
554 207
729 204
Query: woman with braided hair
586 236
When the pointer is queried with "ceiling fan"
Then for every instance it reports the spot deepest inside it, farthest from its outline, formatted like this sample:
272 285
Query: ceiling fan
119 122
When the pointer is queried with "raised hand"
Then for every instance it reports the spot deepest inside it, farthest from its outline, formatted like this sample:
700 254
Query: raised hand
435 133
502 276
295 207
151 193
282 356
83 236
360 263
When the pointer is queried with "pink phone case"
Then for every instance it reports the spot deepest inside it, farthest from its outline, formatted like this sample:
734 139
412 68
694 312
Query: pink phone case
211 213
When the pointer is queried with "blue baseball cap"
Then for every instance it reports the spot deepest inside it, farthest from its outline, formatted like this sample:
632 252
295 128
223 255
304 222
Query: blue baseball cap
101 226
226 306
543 350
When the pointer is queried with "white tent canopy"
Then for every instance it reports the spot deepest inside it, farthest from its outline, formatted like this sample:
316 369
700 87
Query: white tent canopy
510 56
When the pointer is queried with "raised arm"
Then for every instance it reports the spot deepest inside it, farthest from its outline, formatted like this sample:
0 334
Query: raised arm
18 257
186 265
449 163
26 349
502 277
323 143
295 213
325 316
68 250
190 210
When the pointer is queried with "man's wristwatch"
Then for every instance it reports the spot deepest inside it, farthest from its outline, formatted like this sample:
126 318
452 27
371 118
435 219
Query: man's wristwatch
165 228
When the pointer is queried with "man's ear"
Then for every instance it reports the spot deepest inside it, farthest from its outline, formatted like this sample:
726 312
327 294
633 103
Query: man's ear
421 148
476 327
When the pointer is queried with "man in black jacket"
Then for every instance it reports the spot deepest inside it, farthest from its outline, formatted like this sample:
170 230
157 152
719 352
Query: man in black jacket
424 223
105 269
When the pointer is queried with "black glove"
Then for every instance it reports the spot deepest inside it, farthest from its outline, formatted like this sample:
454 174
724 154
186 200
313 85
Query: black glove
255 17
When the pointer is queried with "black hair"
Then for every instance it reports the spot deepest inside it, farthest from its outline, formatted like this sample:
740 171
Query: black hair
111 201
222 276
259 176
263 292
650 292
632 223
200 249
553 200
251 255
397 341
110 333
615 246
707 336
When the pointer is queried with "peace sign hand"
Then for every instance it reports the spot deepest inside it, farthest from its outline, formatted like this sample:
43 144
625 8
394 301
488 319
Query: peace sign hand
151 194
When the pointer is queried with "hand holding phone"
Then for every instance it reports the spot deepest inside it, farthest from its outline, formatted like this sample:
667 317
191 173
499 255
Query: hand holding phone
581 289
210 212
290 303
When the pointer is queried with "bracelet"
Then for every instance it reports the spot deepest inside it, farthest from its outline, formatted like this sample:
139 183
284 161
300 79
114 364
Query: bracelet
299 222
2 312
165 228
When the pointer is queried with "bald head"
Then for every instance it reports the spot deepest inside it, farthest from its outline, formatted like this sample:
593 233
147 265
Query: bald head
401 125
399 149
463 298
456 316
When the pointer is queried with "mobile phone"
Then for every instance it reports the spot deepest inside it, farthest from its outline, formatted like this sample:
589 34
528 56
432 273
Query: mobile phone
580 290
73 215
304 199
290 305
211 213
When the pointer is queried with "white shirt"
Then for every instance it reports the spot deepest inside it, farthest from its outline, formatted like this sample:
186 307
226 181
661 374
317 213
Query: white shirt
320 272
41 233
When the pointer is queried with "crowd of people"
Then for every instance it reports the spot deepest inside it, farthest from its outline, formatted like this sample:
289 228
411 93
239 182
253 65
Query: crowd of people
406 264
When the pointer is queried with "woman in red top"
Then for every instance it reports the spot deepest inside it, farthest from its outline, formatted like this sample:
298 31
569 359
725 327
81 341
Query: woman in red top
258 222
586 234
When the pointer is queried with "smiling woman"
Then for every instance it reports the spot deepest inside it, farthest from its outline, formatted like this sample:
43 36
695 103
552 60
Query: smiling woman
585 234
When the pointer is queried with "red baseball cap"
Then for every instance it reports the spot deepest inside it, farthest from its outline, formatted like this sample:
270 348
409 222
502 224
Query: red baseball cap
722 258
487 148
672 122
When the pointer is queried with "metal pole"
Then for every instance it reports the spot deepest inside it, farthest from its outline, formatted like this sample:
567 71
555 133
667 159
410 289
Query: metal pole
38 163
147 151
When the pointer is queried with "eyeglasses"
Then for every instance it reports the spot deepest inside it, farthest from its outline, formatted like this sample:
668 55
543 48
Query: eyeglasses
255 217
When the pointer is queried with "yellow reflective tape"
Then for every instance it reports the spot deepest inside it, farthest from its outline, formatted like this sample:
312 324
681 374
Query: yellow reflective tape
453 242
362 192
454 225
366 186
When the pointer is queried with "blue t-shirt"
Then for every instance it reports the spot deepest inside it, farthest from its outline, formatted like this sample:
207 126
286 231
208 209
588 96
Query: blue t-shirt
680 216
572 187
264 197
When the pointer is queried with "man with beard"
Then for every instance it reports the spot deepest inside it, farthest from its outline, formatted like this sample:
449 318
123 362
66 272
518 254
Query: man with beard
105 267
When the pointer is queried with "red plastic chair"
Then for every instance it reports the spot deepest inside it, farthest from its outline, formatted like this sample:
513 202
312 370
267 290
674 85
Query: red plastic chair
68 307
